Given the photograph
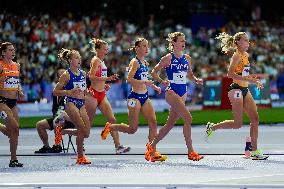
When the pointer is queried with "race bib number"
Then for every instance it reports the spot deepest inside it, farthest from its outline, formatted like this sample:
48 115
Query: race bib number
246 71
81 84
131 103
3 115
11 83
144 76
179 78
238 94
104 73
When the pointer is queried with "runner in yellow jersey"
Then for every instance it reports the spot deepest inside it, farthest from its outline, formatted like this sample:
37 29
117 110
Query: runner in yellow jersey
239 94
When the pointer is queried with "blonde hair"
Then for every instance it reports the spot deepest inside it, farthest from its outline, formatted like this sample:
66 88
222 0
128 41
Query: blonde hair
97 44
229 42
65 54
137 43
173 37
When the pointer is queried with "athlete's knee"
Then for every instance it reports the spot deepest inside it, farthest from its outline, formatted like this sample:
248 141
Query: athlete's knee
39 126
86 133
132 130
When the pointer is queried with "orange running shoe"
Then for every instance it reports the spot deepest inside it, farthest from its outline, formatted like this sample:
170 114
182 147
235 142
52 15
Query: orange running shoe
105 131
148 153
83 161
58 135
159 157
194 156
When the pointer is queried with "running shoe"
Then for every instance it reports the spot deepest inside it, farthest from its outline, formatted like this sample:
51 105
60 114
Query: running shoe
44 149
122 149
15 163
209 131
160 157
258 155
105 132
157 156
83 161
56 149
194 156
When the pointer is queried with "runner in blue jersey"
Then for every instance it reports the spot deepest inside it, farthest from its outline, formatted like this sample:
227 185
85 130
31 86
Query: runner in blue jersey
178 69
72 84
138 100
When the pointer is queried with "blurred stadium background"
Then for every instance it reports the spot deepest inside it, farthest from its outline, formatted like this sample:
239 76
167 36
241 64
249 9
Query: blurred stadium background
39 29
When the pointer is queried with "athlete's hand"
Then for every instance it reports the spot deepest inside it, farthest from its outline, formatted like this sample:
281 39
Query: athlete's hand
252 76
158 89
107 87
199 81
165 83
257 82
21 95
259 85
75 92
113 77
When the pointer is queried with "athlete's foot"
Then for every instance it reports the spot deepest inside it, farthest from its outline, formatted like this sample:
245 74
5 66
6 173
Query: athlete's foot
105 132
209 131
152 156
194 156
258 155
83 161
149 153
44 149
122 149
15 163
56 149
160 157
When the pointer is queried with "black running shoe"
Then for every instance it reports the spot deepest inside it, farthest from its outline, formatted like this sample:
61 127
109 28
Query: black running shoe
56 149
44 149
15 163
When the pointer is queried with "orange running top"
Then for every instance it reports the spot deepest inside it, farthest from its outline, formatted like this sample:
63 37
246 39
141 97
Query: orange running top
11 74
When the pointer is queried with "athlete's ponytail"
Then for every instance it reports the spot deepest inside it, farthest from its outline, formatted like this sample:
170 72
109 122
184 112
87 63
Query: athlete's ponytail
65 54
97 44
229 42
136 44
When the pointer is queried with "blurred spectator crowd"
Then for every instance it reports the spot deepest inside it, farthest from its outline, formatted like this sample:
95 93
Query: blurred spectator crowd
38 39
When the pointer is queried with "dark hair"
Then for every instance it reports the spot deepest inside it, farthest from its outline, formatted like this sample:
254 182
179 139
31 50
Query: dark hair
4 46
136 43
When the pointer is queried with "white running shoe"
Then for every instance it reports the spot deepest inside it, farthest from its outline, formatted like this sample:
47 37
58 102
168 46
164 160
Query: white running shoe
122 149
